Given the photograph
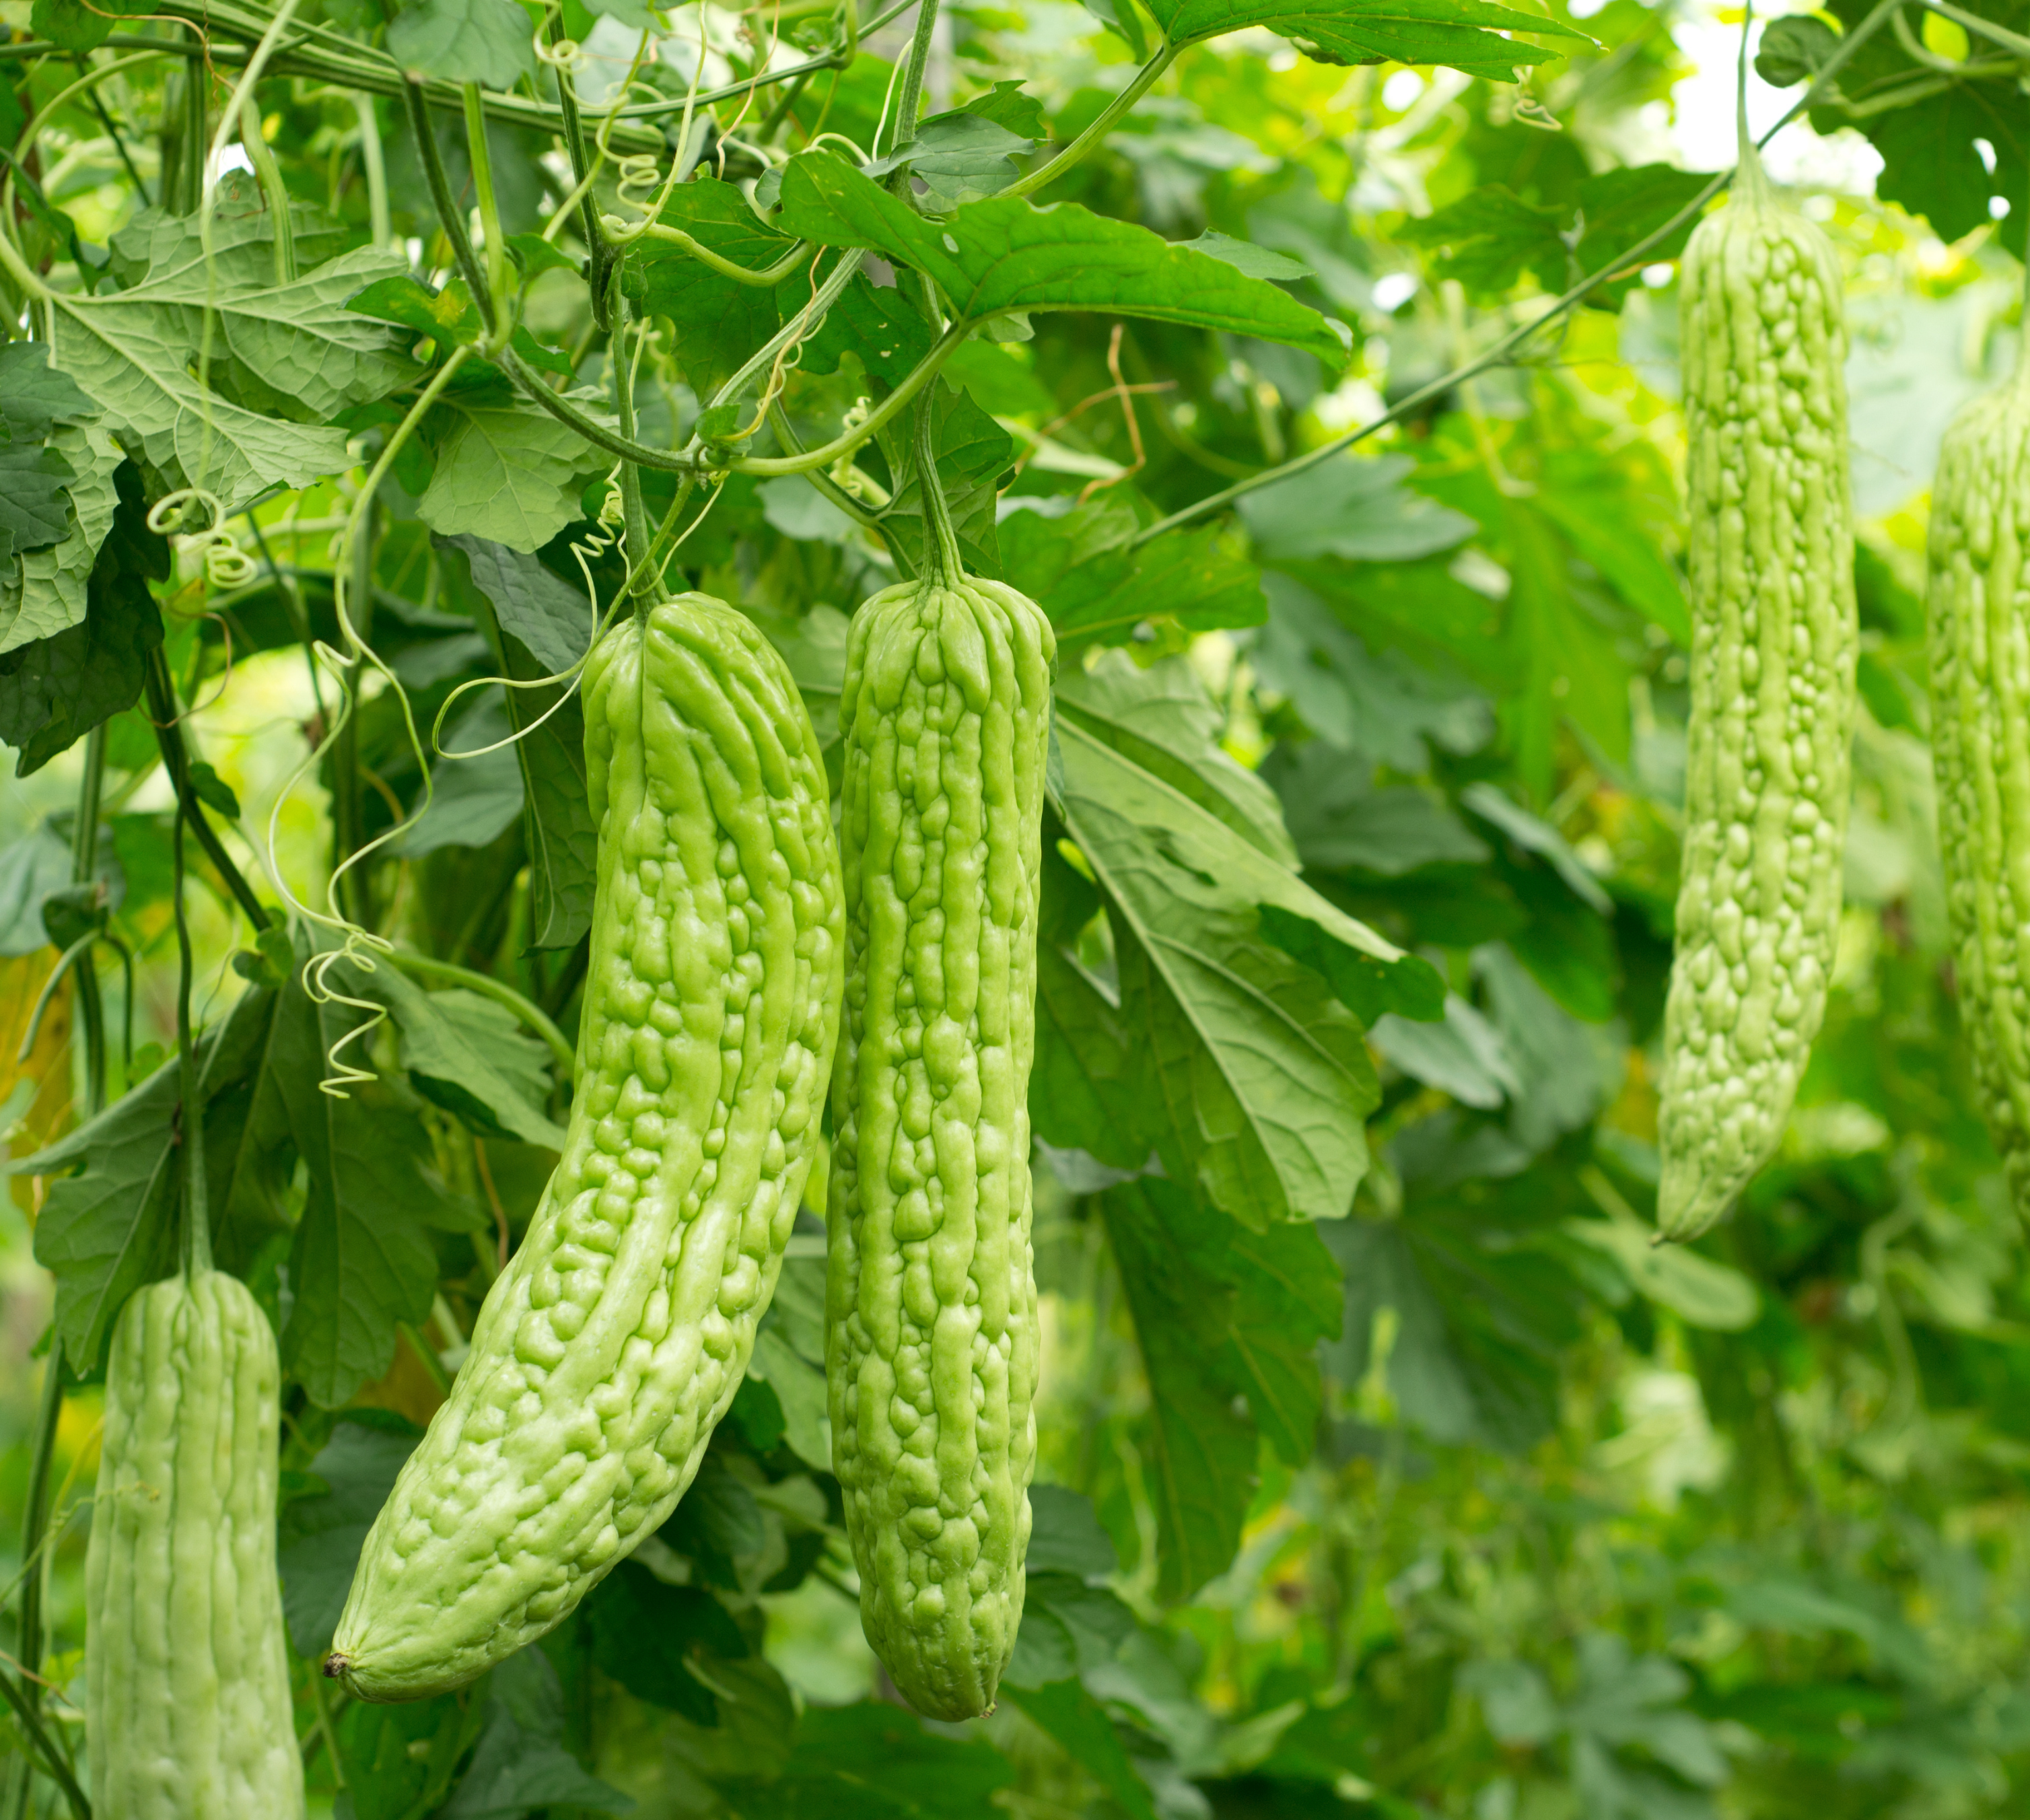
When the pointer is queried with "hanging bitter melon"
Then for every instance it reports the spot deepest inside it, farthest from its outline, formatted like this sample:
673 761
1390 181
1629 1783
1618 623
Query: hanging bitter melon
611 1345
187 1674
932 1333
1772 692
1978 604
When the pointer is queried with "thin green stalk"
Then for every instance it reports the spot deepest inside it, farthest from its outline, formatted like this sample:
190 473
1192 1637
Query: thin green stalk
348 821
175 761
84 867
805 321
575 145
909 102
941 563
113 133
268 174
633 512
428 967
449 215
596 433
1498 353
494 306
1146 78
52 1763
196 1232
373 161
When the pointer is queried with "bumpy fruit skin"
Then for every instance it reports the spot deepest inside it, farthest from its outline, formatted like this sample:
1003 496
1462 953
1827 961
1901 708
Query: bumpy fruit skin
611 1345
1774 640
932 1328
187 1674
1978 601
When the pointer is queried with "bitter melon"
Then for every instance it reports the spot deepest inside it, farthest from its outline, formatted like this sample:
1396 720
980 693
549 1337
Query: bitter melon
932 1328
187 1674
612 1343
1978 604
1772 692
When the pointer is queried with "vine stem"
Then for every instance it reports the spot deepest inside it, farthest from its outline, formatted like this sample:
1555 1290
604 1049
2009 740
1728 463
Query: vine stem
496 248
1497 355
600 436
176 760
1145 79
32 1724
448 216
196 1227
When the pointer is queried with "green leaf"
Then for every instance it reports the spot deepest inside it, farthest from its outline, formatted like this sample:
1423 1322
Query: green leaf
34 397
400 1760
45 592
1245 257
1260 1080
645 1632
33 868
547 623
1005 255
363 1261
1065 1537
1354 507
213 790
1380 707
71 25
482 41
111 1228
799 1387
1461 34
520 1763
1463 1056
506 471
55 690
321 1535
1221 1314
1162 720
1474 1333
474 799
719 321
1510 817
280 351
1080 1725
874 1761
467 1054
448 316
1340 824
1080 568
1932 167
1490 238
960 157
1794 50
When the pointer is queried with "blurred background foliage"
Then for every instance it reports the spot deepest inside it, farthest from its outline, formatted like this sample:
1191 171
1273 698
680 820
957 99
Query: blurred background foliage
1468 1503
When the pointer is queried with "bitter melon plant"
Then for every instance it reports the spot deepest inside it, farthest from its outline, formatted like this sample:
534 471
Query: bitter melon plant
932 1328
1772 692
1978 605
611 1346
187 1678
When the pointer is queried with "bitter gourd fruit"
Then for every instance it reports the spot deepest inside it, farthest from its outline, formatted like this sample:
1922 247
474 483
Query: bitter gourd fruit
1774 642
1978 605
931 1299
611 1345
187 1674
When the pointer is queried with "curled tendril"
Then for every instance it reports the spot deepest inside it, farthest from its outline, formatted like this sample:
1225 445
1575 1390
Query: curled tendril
225 564
358 949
